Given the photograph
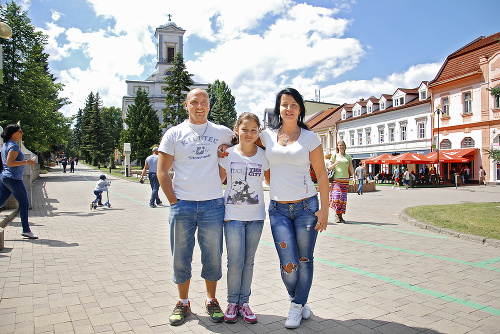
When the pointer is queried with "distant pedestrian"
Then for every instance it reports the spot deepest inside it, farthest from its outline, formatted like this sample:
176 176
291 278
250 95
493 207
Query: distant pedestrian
396 178
482 175
151 166
64 163
11 178
72 165
342 163
466 173
407 177
360 175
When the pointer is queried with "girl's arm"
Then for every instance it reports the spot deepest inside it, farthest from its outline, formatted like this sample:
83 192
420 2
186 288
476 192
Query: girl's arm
318 165
222 173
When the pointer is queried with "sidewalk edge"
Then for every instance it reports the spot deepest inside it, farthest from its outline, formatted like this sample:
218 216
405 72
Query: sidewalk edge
403 216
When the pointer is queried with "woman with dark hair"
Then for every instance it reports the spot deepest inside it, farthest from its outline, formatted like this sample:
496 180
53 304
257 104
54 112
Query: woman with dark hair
294 207
11 178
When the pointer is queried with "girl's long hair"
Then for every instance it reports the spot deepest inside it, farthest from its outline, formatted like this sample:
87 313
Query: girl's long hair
241 118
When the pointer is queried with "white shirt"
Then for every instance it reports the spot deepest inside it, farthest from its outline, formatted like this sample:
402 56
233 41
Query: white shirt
194 148
244 195
290 176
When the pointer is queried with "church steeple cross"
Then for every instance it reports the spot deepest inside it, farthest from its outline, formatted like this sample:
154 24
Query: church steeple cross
169 17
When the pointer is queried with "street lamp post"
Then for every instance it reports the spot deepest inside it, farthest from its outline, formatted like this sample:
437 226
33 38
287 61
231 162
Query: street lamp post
438 112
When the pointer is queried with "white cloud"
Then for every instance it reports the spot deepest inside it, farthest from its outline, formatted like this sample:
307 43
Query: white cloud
352 91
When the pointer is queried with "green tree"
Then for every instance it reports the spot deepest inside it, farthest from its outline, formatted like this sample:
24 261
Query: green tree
494 154
222 104
143 127
113 126
93 130
29 93
179 83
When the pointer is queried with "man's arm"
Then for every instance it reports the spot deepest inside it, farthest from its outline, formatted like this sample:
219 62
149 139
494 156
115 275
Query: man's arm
165 162
146 167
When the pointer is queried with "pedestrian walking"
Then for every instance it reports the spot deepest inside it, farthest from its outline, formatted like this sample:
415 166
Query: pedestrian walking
151 167
396 178
11 178
196 201
71 165
341 162
64 163
360 175
482 175
407 178
245 166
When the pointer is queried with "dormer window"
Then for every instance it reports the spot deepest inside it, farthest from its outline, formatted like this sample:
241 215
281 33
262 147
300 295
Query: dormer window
382 105
423 95
343 115
369 108
356 111
399 101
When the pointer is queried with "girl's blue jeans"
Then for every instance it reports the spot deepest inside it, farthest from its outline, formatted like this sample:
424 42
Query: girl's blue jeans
15 187
292 226
242 239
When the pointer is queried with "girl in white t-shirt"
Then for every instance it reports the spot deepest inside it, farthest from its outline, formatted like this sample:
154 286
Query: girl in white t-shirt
246 167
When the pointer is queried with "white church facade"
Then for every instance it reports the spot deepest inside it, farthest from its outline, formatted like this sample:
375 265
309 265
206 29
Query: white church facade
169 41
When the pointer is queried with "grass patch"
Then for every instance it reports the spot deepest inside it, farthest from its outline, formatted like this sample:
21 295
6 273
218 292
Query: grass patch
481 219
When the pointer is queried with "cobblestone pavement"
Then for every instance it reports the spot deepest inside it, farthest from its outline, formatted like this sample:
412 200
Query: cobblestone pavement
110 270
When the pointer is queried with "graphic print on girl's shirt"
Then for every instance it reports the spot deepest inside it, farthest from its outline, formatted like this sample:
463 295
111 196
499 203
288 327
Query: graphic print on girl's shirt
240 192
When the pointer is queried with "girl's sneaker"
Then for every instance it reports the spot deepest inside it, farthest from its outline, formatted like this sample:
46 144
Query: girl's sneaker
231 314
294 316
247 314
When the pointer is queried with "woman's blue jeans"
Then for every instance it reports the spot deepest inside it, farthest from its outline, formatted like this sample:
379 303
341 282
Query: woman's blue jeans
294 236
15 187
242 239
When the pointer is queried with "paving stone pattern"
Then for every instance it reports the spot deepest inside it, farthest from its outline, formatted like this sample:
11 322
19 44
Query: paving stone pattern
110 270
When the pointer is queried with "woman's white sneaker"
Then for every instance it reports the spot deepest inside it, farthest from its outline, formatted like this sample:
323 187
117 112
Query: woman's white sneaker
306 312
294 316
29 235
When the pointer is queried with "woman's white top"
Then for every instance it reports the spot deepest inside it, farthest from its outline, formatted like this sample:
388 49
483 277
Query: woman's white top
290 176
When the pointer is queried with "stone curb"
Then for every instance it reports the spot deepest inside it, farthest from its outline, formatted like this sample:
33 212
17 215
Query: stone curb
5 217
403 216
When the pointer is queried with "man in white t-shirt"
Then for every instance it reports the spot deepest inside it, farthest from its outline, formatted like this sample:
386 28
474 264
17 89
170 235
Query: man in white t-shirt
150 166
360 175
196 201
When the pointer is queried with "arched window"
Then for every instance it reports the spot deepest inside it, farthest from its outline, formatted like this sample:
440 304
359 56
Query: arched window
445 144
168 72
468 142
496 140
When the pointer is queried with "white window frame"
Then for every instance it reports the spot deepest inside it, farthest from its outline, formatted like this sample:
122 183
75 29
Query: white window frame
360 137
323 141
351 138
404 133
382 105
467 102
423 95
421 130
392 133
445 103
381 135
368 135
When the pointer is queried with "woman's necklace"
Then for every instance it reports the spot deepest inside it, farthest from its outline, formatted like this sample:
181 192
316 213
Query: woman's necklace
196 133
287 138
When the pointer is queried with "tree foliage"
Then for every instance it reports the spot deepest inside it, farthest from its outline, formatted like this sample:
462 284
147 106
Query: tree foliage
143 127
494 155
178 84
29 93
222 104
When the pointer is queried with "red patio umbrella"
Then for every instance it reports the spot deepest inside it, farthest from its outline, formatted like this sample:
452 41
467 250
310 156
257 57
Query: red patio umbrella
378 159
410 158
446 158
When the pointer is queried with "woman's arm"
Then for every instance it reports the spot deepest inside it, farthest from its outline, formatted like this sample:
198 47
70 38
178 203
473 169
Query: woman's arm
318 165
11 160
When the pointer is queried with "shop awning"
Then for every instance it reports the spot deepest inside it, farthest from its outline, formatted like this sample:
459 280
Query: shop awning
378 159
457 155
409 158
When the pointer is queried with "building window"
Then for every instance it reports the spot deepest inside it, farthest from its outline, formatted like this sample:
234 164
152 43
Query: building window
467 103
381 135
445 144
368 134
403 132
343 115
423 95
341 137
170 55
323 141
360 138
421 130
445 102
382 105
369 109
467 142
332 140
391 134
496 101
352 138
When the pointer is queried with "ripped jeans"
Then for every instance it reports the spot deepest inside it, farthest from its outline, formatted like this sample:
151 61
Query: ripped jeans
294 236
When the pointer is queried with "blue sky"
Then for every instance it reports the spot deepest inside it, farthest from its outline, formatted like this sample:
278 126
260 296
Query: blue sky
347 49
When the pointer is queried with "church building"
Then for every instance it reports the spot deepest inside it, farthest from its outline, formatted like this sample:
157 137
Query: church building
169 41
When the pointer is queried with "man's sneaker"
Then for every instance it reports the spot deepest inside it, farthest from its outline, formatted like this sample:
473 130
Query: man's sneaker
231 314
247 314
152 205
294 316
214 311
91 205
306 312
29 235
179 313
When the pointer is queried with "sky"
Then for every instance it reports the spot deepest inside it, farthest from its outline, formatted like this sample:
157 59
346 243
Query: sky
346 49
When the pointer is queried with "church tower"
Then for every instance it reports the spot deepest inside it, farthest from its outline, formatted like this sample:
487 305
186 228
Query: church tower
169 41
